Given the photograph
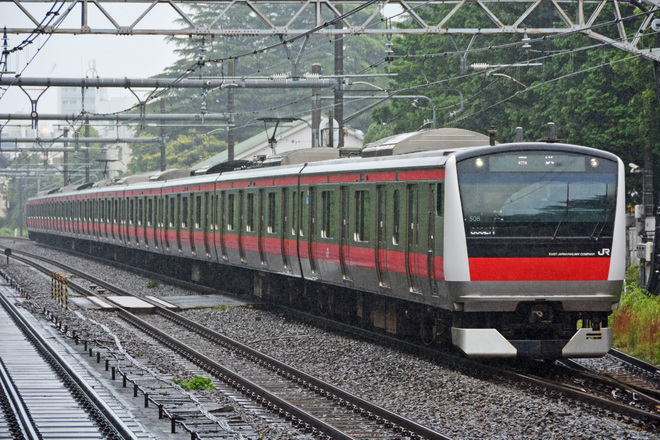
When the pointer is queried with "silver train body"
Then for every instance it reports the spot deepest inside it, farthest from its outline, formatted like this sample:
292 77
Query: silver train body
508 250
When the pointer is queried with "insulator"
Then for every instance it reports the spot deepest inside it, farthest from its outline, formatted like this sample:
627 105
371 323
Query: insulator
479 66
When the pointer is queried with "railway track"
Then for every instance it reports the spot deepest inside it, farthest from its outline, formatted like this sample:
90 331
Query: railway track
307 403
42 395
636 405
599 396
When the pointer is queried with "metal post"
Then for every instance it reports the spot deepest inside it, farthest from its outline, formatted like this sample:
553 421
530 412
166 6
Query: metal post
331 128
339 72
316 110
65 159
87 176
66 293
231 71
20 205
163 159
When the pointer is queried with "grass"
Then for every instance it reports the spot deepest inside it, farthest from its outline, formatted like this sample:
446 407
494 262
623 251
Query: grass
197 383
153 284
636 324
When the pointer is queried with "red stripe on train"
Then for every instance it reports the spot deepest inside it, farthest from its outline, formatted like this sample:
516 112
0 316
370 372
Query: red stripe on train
539 269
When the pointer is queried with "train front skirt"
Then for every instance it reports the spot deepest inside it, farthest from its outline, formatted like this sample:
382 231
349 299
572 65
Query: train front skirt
488 342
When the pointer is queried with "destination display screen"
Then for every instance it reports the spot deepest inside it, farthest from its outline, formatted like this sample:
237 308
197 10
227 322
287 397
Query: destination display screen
521 162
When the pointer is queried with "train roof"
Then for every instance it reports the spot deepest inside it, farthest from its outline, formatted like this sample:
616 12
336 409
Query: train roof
427 140
439 144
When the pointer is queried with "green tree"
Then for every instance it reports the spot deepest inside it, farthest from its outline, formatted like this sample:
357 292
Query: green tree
198 59
183 151
600 97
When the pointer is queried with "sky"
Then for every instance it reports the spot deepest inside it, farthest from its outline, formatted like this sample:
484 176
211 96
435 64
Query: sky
74 56
78 56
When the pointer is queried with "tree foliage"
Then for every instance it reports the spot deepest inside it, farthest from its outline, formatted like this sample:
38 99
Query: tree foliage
600 97
207 58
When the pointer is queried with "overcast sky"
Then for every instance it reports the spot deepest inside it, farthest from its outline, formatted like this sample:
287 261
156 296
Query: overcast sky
70 56
74 56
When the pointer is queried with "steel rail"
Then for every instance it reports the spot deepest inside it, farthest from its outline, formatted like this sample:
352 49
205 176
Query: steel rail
21 421
313 381
637 363
102 413
204 361
483 368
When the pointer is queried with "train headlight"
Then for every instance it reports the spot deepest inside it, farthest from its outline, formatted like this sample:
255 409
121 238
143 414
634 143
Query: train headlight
479 162
594 162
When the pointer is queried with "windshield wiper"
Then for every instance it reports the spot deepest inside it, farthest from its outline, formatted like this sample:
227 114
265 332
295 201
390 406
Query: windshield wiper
563 216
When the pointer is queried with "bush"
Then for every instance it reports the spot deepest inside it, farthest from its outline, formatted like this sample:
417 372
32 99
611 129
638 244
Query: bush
197 383
636 324
153 284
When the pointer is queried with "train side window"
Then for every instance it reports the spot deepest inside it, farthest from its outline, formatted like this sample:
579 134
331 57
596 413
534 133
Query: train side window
140 213
396 217
170 219
413 214
184 212
361 216
131 211
439 206
249 222
327 214
198 212
150 211
294 212
231 211
304 202
272 213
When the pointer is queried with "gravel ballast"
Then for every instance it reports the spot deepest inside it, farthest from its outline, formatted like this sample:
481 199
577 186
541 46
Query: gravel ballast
454 403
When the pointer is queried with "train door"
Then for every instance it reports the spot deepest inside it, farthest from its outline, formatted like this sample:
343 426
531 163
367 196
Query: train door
241 225
180 223
412 240
216 230
430 260
207 225
381 236
130 223
344 233
189 226
285 228
260 220
311 209
158 222
224 222
168 221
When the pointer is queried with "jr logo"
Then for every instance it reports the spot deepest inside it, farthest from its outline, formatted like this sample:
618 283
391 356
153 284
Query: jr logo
604 252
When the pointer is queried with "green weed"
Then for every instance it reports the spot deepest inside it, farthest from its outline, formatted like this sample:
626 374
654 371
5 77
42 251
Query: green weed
636 324
197 383
153 284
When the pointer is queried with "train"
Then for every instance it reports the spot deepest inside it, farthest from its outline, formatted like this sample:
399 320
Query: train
503 250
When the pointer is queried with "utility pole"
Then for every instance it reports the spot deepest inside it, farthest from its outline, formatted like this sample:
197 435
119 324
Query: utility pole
163 157
316 110
87 176
339 72
231 71
65 160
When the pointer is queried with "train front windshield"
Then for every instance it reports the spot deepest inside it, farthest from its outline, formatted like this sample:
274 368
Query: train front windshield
538 194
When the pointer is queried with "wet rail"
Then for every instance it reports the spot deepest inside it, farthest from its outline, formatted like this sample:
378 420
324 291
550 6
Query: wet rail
46 398
308 403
